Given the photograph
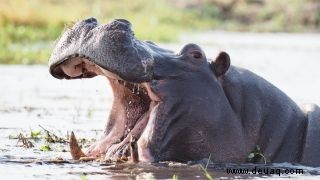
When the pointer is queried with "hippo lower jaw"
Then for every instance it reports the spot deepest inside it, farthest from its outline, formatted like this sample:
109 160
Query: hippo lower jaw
132 107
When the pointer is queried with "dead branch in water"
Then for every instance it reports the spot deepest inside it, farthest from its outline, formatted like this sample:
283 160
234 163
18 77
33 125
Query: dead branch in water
51 137
25 142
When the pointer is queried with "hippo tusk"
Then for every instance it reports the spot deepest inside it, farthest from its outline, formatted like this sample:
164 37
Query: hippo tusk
75 150
134 150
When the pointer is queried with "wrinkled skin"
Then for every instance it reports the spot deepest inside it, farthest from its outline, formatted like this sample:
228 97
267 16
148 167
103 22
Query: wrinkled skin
183 106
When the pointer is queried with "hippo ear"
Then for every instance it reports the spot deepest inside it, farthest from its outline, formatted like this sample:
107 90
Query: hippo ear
221 65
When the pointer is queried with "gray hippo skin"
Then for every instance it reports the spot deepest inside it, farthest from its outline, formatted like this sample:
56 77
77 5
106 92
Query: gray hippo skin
184 106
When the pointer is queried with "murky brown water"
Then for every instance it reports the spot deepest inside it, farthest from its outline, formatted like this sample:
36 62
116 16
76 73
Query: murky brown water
31 97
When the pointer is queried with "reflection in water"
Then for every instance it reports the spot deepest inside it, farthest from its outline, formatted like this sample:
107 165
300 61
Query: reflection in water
164 170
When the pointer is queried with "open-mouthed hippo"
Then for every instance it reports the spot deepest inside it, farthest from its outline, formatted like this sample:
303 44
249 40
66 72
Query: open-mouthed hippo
184 107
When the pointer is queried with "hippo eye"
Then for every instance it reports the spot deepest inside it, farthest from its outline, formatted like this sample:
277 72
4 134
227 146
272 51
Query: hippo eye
196 54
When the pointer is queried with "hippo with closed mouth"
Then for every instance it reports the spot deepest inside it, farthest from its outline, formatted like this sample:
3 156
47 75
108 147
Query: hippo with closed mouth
183 106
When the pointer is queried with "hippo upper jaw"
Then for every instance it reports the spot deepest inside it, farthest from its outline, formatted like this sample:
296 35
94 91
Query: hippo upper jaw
112 47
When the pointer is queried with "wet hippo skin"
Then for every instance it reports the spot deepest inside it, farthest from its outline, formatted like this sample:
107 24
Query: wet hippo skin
184 106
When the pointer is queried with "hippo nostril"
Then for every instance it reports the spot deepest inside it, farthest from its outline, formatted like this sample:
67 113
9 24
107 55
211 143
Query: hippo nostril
124 21
91 20
196 54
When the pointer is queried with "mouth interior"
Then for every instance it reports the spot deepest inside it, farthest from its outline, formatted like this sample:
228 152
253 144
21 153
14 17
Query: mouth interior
132 104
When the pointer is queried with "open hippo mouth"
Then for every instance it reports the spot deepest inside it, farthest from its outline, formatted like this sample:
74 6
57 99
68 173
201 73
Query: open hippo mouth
162 106
87 50
132 107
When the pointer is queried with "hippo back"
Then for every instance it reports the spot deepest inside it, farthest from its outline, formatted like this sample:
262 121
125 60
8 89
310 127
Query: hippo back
311 150
270 119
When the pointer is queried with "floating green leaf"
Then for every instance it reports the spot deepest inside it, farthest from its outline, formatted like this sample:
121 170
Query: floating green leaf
45 148
35 134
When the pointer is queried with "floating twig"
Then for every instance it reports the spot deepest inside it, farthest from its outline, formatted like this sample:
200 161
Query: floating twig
52 138
25 142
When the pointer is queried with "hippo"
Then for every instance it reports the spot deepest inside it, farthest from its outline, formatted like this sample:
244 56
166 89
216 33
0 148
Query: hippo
183 106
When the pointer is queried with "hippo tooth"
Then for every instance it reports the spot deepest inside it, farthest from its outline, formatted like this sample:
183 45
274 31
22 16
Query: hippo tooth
81 56
75 150
133 88
133 150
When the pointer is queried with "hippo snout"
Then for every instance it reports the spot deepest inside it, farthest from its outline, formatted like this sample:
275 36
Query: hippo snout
111 46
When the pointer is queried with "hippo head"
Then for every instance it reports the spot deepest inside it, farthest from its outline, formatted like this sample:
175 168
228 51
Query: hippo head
157 93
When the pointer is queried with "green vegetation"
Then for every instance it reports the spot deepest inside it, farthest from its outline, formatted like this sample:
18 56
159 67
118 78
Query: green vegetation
256 155
46 140
175 177
204 169
29 28
45 148
35 134
206 173
83 177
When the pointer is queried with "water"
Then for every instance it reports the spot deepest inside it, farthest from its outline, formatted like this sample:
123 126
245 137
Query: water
31 97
